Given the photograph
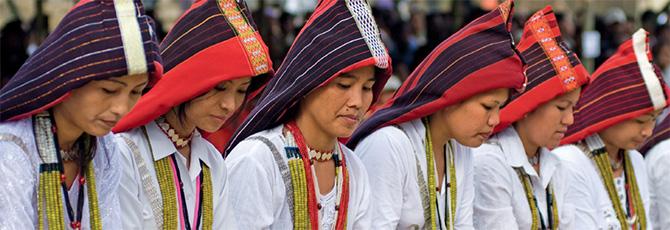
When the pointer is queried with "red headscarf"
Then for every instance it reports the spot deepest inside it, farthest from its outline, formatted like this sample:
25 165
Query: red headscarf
626 86
552 69
213 41
476 59
95 40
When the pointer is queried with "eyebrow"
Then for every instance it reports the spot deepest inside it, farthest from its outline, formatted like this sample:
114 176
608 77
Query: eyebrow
349 76
117 81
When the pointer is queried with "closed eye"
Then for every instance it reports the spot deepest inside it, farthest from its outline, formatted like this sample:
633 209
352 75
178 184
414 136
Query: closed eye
343 86
109 91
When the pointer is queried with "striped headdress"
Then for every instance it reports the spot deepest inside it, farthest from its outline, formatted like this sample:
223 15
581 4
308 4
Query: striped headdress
661 133
552 69
214 41
478 58
626 86
95 40
340 36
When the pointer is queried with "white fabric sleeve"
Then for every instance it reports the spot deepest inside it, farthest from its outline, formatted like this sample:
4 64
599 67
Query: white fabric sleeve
466 203
130 190
18 208
380 153
251 173
659 185
493 203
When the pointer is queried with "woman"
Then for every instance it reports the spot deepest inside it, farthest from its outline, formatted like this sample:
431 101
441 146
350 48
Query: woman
287 169
615 114
414 148
519 183
172 177
57 155
657 158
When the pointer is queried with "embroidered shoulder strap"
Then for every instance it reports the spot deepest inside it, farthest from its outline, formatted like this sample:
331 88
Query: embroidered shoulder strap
283 169
14 139
423 187
8 137
152 193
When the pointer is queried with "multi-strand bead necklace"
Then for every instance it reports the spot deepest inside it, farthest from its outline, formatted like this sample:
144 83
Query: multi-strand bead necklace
304 181
52 181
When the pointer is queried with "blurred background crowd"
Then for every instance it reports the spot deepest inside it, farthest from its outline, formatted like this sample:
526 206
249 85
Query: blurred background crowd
410 28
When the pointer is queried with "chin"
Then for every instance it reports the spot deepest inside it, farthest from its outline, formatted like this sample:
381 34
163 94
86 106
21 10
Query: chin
343 132
553 144
472 142
211 128
97 131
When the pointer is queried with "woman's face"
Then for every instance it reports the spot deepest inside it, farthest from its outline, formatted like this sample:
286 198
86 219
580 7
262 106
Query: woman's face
97 106
471 122
546 125
210 111
630 134
337 108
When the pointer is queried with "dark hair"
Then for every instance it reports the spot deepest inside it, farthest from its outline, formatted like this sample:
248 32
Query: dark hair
88 143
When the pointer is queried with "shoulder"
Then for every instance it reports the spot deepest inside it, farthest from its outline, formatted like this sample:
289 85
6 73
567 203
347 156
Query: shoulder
108 149
257 149
660 154
488 154
662 149
571 155
353 162
18 136
637 160
389 141
389 134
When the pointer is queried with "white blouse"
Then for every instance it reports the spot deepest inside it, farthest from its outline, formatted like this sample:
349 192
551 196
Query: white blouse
258 193
390 155
593 207
658 167
501 201
19 165
139 197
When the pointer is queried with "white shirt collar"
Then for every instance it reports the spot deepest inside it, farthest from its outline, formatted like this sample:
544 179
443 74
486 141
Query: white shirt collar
162 147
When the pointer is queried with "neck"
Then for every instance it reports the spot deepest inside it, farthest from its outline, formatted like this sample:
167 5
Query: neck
315 136
439 134
613 152
529 147
66 133
183 129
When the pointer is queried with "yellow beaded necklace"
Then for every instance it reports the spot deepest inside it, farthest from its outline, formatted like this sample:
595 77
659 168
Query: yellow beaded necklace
49 193
168 187
532 202
432 187
598 153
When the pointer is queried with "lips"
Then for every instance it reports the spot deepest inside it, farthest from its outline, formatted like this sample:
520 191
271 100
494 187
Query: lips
220 118
350 119
109 123
484 135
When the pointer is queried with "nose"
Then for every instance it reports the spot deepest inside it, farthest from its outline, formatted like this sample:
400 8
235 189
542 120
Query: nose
230 102
121 105
355 98
494 119
648 129
568 118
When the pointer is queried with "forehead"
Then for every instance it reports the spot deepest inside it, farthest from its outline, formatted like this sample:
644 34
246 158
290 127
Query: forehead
128 80
366 73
